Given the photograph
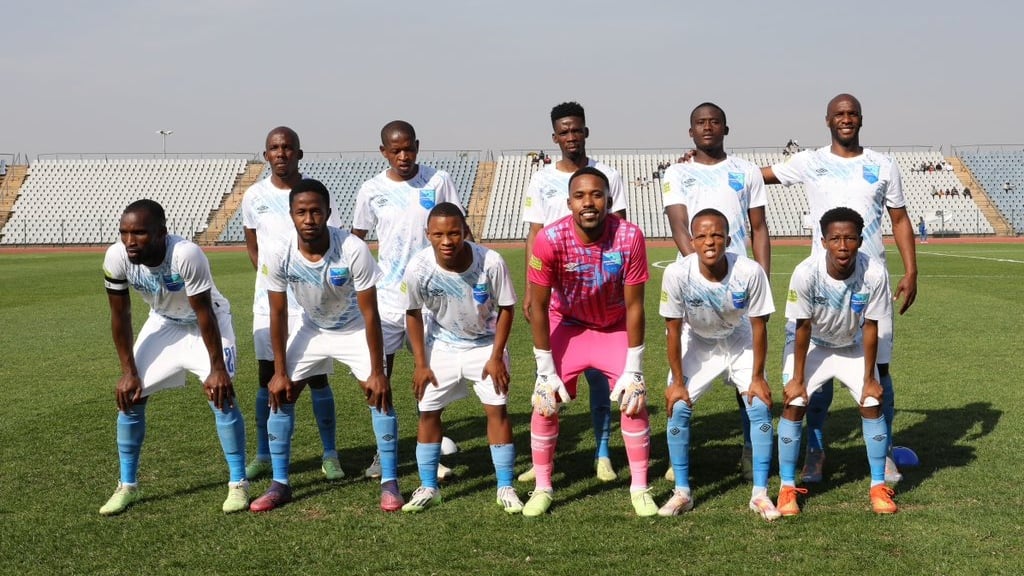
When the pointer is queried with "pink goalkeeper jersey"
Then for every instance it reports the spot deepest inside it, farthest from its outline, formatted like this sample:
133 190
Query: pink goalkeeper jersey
587 280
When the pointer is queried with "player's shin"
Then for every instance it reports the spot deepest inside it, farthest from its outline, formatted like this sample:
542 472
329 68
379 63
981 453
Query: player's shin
326 418
678 435
543 438
789 450
262 414
600 410
636 435
280 426
427 457
760 419
504 457
231 431
876 441
131 431
888 401
817 412
385 428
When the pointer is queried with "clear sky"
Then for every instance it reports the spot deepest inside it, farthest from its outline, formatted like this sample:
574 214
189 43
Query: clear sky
104 76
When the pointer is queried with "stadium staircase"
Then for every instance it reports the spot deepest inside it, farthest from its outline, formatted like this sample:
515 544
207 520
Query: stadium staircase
477 209
220 217
10 186
988 210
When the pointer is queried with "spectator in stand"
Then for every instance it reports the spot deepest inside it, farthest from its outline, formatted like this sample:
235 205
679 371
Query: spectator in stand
967 192
1007 187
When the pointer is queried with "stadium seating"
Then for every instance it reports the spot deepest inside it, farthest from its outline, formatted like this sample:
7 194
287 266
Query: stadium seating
993 169
79 201
343 178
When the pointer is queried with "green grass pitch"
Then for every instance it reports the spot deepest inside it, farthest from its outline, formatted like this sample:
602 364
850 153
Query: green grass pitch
957 371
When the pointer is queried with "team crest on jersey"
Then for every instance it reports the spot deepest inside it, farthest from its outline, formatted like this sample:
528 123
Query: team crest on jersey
173 281
428 198
858 301
871 173
480 293
338 276
736 181
612 262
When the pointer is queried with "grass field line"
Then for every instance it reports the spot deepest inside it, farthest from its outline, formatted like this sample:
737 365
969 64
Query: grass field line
1007 260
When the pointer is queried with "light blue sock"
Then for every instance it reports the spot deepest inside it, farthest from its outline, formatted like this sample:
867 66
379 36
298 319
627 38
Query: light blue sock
744 418
231 430
888 406
385 428
678 434
600 410
504 458
262 413
427 457
280 426
817 411
877 443
760 440
326 420
789 450
131 431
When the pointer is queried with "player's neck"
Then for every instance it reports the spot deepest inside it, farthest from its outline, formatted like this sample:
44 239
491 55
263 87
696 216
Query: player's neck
314 250
717 272
838 273
709 156
572 163
460 263
849 150
591 235
286 183
396 177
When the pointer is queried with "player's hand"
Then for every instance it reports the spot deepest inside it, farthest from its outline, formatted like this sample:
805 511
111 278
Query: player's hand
547 392
794 394
630 392
759 388
871 395
498 372
906 287
377 390
219 389
129 391
687 156
422 376
281 390
676 393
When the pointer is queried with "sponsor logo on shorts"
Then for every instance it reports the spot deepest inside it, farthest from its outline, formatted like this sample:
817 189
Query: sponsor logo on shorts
736 180
173 281
535 263
870 173
480 293
428 198
338 276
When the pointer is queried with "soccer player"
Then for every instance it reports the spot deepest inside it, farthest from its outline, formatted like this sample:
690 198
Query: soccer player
716 306
732 185
468 293
332 275
837 299
395 203
847 174
188 330
545 203
267 227
587 275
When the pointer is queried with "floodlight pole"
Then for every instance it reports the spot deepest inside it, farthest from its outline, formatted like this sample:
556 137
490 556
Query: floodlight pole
164 134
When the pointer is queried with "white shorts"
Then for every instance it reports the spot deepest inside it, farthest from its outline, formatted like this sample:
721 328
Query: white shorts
261 334
845 364
392 327
703 361
312 351
452 370
885 340
165 351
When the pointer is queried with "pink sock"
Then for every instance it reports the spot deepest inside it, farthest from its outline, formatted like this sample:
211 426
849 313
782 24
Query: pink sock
543 437
636 435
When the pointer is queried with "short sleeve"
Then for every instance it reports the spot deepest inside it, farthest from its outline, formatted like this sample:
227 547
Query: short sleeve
363 217
447 192
617 190
671 305
894 191
672 187
759 293
799 298
636 268
194 268
880 301
533 211
792 170
115 277
274 269
540 270
758 195
501 280
248 214
362 266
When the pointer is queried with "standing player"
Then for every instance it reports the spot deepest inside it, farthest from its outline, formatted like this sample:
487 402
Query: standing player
545 203
267 227
713 179
188 330
587 275
837 300
716 306
467 290
847 174
395 203
332 275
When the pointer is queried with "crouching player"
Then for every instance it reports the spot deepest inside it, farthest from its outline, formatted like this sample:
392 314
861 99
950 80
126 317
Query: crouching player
332 274
188 330
586 276
468 293
716 307
835 299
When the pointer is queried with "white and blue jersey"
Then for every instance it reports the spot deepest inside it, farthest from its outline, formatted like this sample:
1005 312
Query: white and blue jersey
184 272
326 289
716 310
548 191
732 186
868 183
265 209
398 212
463 306
837 308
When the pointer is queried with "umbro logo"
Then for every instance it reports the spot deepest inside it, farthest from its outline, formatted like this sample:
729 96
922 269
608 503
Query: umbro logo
674 431
689 182
878 437
766 428
786 439
821 171
387 437
571 266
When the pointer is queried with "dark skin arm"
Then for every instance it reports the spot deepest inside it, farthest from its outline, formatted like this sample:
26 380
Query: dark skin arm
129 385
495 366
422 375
903 234
797 386
676 390
872 388
677 222
540 324
217 385
768 175
758 385
531 236
760 242
282 389
377 387
252 248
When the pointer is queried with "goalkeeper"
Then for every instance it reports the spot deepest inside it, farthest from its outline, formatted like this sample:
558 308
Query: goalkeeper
716 306
586 278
